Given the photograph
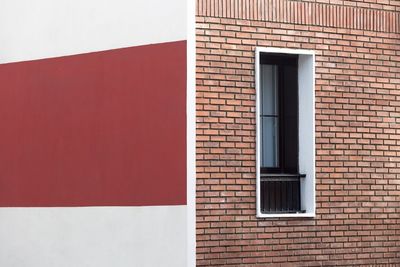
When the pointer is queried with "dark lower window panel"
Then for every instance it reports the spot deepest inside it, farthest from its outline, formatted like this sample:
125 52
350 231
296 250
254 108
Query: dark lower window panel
280 194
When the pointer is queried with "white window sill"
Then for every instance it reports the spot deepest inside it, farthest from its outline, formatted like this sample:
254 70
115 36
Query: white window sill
286 215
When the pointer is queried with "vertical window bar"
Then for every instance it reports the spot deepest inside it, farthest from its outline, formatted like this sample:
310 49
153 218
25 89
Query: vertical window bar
298 196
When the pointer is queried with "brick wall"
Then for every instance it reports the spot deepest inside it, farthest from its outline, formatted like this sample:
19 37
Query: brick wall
357 45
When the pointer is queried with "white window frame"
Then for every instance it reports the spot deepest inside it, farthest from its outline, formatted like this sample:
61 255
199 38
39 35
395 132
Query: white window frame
306 84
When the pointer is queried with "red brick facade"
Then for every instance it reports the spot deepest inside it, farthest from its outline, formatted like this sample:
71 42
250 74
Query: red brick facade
357 46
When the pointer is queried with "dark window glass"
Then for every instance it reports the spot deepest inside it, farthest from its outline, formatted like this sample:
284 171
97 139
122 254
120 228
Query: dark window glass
280 180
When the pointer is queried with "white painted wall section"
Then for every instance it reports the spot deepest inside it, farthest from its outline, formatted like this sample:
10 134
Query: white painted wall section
93 237
46 28
191 133
306 83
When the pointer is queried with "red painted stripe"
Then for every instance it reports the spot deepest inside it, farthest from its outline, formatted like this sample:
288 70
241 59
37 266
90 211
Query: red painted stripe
99 129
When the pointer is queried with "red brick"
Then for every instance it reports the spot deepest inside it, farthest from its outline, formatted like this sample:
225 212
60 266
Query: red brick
357 105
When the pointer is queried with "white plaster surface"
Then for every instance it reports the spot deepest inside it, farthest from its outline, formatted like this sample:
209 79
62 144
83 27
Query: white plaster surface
47 28
307 130
191 134
93 237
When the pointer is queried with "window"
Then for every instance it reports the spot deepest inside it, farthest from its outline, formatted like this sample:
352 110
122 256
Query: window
285 132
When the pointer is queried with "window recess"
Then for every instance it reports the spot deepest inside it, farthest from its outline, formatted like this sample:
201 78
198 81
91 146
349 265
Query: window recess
285 132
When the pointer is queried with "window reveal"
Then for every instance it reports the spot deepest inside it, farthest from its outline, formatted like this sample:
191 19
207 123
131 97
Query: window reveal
285 132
